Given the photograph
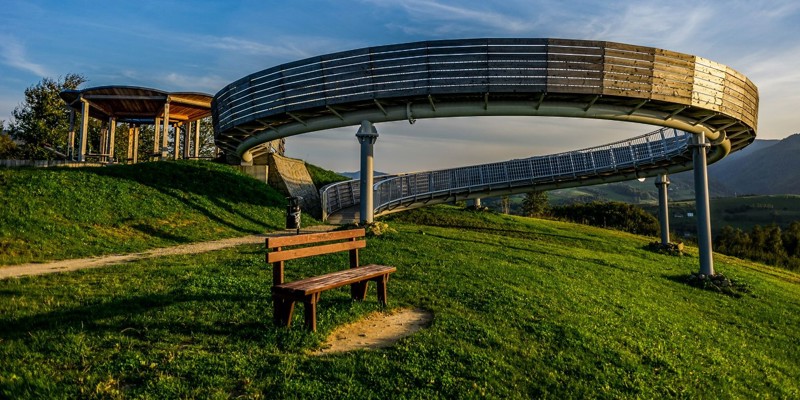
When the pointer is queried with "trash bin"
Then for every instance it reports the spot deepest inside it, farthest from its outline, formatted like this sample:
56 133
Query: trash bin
293 213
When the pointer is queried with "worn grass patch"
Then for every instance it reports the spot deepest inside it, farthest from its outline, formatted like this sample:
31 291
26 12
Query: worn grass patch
523 309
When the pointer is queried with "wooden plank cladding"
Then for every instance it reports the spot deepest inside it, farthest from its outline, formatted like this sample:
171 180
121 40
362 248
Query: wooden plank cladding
454 70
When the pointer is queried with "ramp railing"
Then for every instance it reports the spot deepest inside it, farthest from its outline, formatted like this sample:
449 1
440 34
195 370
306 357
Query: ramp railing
399 191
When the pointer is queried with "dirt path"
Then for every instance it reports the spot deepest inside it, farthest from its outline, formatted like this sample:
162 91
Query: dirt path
14 271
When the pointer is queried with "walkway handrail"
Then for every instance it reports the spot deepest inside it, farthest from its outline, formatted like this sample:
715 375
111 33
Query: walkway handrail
397 191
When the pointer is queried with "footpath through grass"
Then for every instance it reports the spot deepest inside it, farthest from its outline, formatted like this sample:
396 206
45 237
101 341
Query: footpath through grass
59 213
523 309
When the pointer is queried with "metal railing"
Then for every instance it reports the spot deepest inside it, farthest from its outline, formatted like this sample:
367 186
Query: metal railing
395 191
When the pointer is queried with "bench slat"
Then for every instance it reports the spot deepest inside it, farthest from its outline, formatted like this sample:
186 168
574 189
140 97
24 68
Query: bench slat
284 255
321 283
281 241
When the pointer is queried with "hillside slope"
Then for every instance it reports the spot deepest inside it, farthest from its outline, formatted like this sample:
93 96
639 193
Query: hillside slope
58 213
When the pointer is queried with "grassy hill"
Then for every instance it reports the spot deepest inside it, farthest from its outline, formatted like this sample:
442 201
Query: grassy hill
59 213
523 308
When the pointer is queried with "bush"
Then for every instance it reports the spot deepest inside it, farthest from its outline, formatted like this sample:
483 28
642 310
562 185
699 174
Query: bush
620 216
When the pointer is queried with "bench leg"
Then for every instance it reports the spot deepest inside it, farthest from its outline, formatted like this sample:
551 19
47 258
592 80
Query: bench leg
283 309
310 311
382 289
358 291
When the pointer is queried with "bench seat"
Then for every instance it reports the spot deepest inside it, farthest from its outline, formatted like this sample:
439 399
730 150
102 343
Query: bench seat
304 287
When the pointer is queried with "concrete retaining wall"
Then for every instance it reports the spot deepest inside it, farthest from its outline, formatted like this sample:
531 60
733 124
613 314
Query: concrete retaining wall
290 176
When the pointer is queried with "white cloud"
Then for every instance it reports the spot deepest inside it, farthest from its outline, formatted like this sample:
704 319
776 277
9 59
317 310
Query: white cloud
179 81
456 19
248 47
14 55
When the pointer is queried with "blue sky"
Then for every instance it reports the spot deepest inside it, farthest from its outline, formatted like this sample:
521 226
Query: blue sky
204 45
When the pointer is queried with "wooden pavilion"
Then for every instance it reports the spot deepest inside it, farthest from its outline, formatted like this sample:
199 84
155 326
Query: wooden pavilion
136 106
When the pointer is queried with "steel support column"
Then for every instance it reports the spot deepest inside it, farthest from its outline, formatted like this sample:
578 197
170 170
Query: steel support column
662 183
703 209
367 135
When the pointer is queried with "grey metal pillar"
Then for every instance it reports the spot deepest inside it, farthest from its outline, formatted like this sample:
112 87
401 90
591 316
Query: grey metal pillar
703 209
367 135
662 183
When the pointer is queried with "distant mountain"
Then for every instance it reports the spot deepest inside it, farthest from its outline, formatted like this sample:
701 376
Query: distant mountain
769 170
357 174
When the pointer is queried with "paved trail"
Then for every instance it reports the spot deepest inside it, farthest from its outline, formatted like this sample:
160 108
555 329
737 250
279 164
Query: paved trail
14 271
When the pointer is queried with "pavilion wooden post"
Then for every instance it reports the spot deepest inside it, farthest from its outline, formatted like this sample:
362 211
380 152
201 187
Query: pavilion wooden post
71 136
129 153
84 129
165 137
102 151
112 133
177 152
186 140
136 144
197 139
156 138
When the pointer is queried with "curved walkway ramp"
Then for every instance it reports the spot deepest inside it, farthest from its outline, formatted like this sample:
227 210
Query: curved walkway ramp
487 77
666 150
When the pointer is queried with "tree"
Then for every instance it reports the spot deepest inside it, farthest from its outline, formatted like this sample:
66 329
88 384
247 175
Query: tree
43 118
535 204
7 146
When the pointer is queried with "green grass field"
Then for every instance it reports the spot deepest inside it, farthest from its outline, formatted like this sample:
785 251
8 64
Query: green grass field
523 308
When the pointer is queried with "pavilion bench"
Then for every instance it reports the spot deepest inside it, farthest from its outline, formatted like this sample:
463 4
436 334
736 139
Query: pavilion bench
285 295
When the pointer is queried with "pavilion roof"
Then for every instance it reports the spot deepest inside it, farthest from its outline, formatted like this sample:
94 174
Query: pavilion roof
139 104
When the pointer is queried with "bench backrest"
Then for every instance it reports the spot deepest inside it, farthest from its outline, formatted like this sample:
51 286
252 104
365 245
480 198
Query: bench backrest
312 244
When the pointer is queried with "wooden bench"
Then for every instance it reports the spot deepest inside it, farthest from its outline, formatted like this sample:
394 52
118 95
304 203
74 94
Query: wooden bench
284 295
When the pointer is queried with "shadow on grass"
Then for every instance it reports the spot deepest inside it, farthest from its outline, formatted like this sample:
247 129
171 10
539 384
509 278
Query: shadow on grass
732 288
155 232
141 316
219 184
